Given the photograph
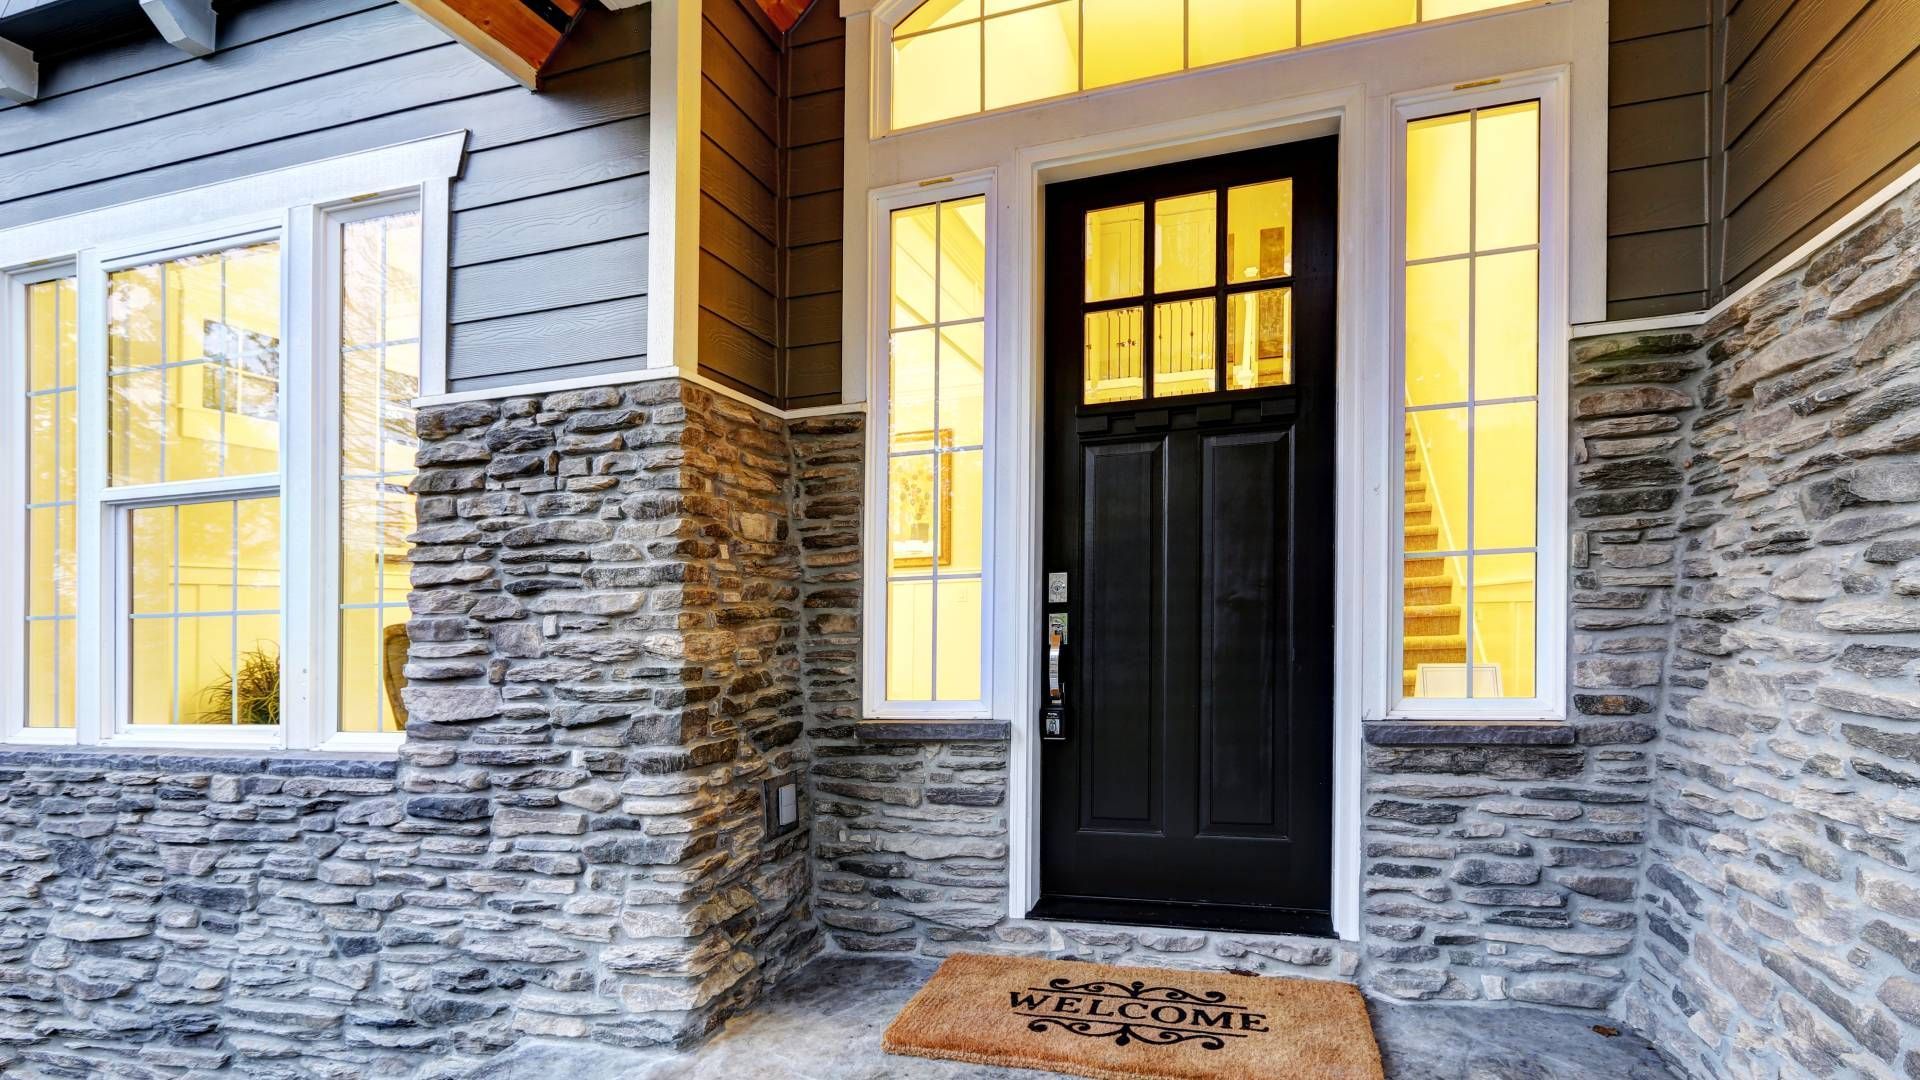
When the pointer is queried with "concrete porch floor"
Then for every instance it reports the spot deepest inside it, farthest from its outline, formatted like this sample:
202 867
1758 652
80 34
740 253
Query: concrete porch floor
825 1024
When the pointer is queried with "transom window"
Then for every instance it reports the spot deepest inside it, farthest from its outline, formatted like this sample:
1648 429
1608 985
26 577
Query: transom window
218 440
1471 405
959 57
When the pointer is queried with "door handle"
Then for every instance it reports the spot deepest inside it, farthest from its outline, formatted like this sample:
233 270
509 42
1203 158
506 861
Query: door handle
1053 711
1055 696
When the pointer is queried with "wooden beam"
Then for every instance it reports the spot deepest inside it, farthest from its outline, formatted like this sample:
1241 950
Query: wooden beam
188 25
785 13
517 36
19 73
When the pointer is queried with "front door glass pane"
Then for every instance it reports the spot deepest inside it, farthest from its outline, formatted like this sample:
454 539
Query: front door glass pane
1112 370
1260 339
1116 252
1183 337
1183 242
1260 231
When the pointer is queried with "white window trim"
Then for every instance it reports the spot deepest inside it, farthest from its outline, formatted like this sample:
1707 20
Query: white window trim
891 13
301 206
874 702
1550 559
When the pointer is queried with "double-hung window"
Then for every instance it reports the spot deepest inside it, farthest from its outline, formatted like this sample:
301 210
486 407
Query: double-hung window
214 405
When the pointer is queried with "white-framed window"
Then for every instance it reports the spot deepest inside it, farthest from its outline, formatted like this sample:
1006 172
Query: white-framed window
947 59
212 394
928 579
1479 302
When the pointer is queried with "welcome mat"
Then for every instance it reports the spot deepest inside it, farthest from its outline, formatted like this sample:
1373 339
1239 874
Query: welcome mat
1136 1023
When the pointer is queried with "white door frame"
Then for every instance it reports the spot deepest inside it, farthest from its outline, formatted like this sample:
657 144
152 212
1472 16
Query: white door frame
1350 89
1019 398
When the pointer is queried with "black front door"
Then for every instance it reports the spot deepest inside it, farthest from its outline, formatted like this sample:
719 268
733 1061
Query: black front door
1189 543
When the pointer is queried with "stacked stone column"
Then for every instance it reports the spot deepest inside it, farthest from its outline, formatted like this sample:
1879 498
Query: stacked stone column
604 671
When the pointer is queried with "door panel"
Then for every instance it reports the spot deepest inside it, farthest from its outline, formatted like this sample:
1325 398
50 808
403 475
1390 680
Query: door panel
1189 502
1246 539
1124 518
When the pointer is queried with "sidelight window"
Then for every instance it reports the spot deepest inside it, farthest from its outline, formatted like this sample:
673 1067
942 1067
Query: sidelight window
1470 390
211 511
933 497
954 58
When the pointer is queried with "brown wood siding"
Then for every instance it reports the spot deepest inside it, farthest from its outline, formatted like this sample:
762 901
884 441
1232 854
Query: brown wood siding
739 327
771 154
1660 165
1825 109
1741 128
813 111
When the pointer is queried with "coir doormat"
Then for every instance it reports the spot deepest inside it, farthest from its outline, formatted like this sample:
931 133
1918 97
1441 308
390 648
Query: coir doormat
1135 1023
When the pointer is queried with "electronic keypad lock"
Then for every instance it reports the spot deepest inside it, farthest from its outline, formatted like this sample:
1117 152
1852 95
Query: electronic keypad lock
1053 708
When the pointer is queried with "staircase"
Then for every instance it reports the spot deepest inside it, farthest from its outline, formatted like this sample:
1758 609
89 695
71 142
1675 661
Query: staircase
1434 630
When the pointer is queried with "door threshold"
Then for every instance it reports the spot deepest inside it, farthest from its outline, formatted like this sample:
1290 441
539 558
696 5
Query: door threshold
1184 916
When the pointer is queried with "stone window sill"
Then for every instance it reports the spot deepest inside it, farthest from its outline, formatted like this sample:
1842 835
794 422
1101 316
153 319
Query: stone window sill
876 730
1464 733
267 762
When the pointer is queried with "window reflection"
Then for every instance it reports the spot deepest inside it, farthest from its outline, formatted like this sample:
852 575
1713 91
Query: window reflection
193 380
379 378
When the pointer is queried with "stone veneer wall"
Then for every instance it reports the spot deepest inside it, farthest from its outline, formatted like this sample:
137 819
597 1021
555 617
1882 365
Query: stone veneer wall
1781 901
1506 869
606 663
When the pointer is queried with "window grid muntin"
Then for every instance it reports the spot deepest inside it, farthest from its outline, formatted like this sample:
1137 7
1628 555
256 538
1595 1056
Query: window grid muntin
1148 299
978 24
1471 404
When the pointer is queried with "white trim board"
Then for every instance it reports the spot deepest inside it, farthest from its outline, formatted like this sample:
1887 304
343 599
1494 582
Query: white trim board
673 187
1687 320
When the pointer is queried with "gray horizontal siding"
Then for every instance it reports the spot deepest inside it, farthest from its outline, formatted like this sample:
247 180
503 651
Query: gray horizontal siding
550 213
